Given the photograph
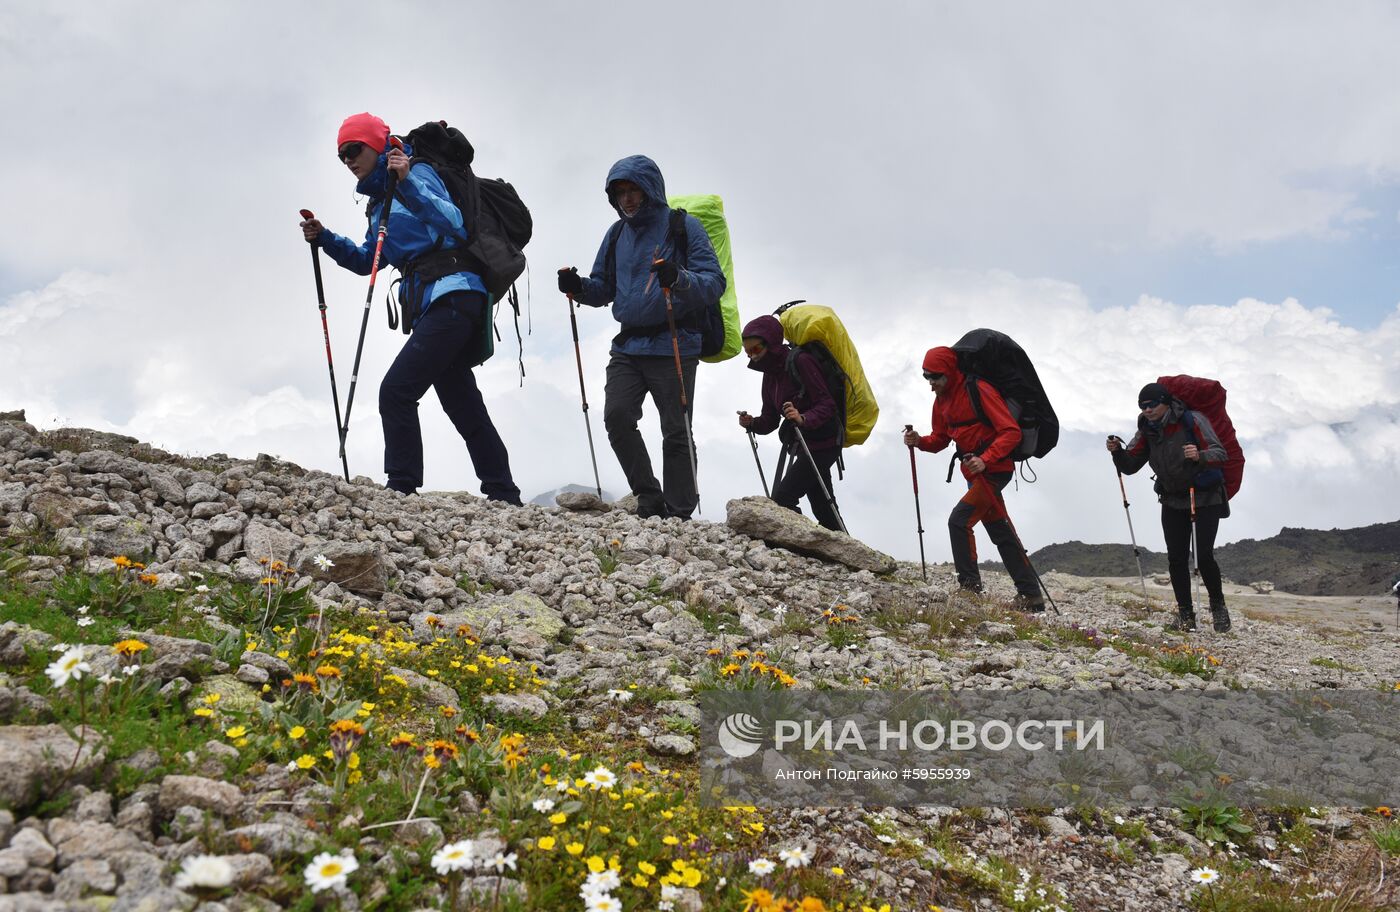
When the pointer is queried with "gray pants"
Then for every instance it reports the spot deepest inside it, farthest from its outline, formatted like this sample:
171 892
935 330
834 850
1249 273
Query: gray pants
630 379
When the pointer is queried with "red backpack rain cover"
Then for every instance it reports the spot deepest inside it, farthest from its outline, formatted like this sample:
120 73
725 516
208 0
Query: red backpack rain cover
1208 398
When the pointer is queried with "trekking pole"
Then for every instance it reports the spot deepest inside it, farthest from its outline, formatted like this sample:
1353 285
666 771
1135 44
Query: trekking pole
918 512
1137 554
1024 553
1195 556
753 444
390 183
583 394
821 484
307 215
685 408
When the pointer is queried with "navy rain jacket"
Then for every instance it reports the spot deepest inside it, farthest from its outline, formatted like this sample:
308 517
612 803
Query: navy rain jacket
642 238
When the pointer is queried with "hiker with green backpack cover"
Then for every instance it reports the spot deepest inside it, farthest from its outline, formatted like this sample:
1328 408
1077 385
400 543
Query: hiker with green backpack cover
655 263
419 217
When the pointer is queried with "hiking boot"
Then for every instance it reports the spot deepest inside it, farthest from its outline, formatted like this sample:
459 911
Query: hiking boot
1031 604
1219 617
1185 620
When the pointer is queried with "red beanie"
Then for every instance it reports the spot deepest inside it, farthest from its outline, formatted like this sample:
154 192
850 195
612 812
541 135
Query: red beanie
365 128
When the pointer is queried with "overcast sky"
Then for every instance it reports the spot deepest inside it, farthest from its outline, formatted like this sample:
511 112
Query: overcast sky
1129 190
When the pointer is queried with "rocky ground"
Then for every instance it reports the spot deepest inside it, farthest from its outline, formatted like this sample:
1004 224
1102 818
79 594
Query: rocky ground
276 604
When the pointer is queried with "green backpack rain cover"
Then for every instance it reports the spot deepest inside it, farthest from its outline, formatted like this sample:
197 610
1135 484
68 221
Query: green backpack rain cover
709 209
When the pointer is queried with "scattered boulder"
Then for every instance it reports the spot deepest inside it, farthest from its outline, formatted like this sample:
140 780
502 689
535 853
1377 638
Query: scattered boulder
581 502
356 566
761 518
36 759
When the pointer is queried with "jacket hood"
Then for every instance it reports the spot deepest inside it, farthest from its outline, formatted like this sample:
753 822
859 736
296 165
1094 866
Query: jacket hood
643 172
770 330
943 360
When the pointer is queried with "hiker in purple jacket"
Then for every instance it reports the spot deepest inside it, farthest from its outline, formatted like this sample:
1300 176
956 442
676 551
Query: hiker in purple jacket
794 388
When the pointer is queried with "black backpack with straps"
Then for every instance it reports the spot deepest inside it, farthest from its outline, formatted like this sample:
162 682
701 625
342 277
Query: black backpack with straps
995 358
709 323
498 224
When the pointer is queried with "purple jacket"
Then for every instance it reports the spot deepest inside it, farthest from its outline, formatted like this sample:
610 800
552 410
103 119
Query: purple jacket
812 397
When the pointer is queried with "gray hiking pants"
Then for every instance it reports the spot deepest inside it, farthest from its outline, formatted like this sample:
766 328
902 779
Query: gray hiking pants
630 379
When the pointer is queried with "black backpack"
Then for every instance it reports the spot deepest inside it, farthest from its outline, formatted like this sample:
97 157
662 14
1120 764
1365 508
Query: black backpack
995 357
497 223
710 323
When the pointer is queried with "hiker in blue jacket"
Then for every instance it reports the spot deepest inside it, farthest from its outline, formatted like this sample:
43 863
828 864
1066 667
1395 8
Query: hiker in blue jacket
636 261
451 311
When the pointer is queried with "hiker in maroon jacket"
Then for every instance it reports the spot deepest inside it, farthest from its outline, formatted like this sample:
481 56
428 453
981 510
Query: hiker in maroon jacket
806 402
1186 456
984 448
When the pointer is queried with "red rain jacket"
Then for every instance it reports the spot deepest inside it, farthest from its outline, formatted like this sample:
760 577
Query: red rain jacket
955 421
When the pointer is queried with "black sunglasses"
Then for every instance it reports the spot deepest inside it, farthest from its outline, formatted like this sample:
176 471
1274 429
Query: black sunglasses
1144 406
350 151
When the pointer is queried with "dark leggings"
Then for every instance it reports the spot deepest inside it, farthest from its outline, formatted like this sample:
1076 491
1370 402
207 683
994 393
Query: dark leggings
1176 529
799 481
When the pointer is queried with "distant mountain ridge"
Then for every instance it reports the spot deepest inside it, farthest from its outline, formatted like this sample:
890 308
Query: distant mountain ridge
1362 561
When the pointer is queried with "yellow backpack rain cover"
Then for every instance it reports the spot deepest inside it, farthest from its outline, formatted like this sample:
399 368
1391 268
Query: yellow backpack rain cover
709 209
814 322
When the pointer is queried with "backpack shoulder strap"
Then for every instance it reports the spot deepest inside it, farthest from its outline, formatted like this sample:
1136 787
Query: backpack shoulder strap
1188 418
610 258
794 373
974 395
680 237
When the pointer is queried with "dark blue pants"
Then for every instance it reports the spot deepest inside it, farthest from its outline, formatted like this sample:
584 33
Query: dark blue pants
436 356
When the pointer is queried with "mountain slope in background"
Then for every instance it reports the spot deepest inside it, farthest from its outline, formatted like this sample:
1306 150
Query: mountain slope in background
1361 561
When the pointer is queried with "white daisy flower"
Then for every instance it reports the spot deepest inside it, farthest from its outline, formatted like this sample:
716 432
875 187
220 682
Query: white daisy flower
209 872
68 667
454 857
762 866
600 778
796 857
619 696
322 562
328 872
543 805
83 609
201 588
602 881
601 902
85 622
1205 875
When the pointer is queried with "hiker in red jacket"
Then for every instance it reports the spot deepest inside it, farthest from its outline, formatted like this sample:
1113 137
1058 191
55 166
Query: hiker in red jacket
985 448
1186 457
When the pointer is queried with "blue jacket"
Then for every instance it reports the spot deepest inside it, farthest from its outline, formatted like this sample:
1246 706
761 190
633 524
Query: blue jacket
422 213
642 238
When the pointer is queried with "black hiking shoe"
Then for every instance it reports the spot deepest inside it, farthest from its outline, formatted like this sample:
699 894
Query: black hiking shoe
1031 604
1220 618
1185 620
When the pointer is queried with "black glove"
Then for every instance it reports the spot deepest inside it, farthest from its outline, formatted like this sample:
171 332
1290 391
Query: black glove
666 272
569 281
